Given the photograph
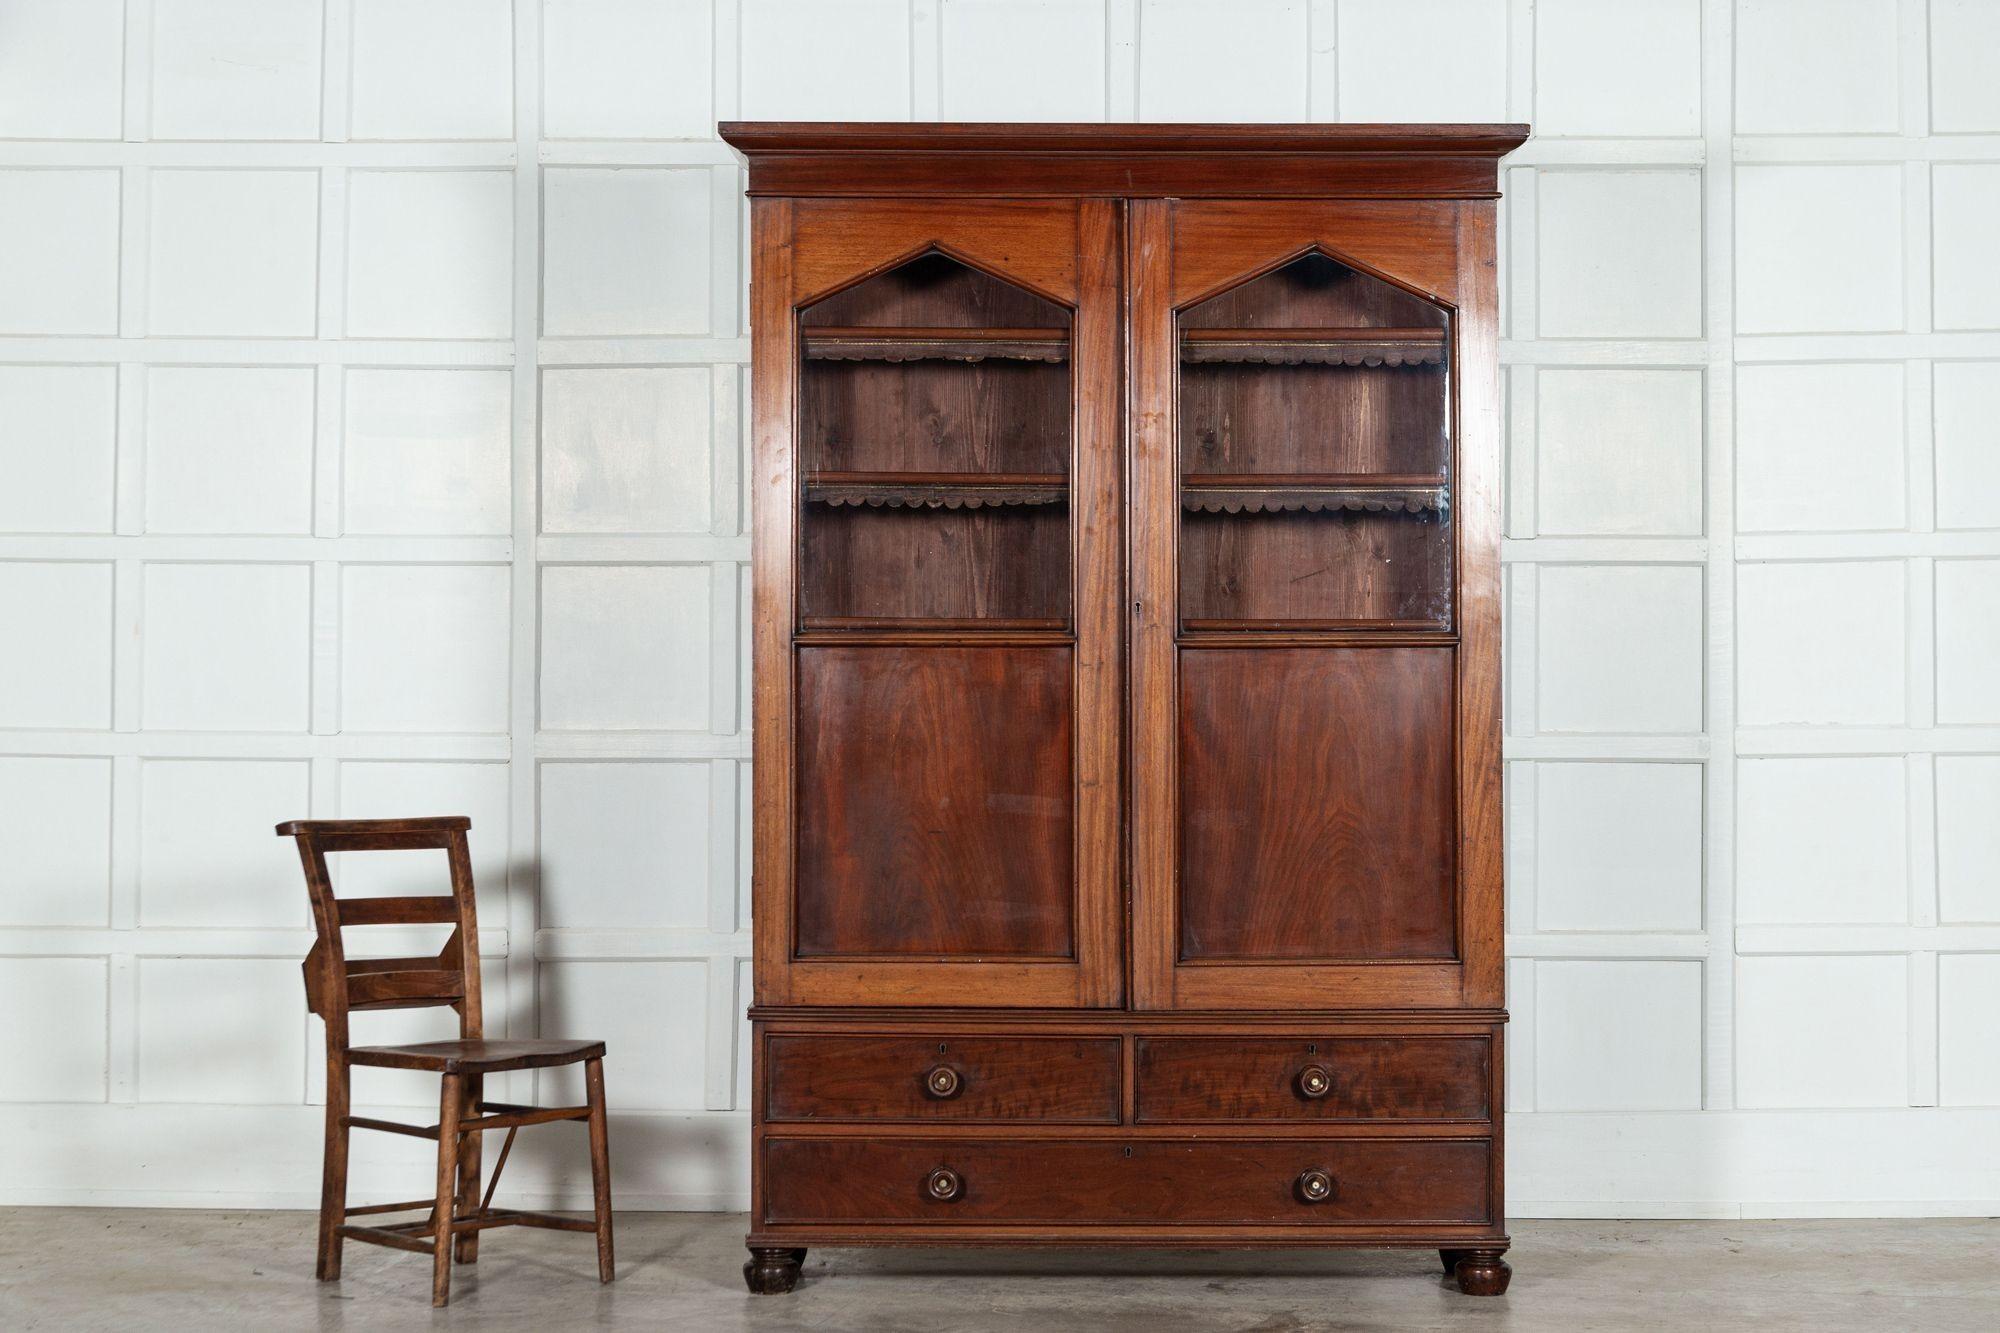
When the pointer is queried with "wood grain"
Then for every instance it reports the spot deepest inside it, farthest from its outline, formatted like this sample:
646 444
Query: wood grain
1245 417
936 416
1190 1080
1007 562
934 290
1097 471
1054 1181
936 811
841 242
1316 291
1482 838
1154 507
1323 777
1334 565
1049 1080
773 493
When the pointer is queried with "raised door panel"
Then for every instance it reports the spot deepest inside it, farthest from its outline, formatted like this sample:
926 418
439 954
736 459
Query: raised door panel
1314 575
937 509
934 802
1315 804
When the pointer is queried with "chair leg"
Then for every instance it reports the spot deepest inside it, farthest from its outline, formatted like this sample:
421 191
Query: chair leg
333 1172
600 1166
465 1248
450 1100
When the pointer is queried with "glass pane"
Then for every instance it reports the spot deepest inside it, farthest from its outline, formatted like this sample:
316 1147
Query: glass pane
1315 452
935 443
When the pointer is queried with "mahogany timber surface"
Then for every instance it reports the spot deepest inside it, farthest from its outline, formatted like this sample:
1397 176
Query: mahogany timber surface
1044 1079
1125 228
1316 291
935 290
1056 1181
1191 1080
1334 565
805 158
996 562
1248 417
935 416
479 1056
1322 779
935 802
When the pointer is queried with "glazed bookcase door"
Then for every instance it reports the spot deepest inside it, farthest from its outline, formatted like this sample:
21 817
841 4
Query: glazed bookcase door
1314 578
937 511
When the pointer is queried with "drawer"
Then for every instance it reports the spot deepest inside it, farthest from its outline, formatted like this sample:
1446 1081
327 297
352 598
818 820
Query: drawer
1192 1080
1295 1182
1072 1080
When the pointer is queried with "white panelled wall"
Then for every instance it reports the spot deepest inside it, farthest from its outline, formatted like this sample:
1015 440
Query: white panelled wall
371 441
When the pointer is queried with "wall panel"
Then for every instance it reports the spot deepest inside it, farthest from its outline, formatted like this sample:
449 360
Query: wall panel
371 402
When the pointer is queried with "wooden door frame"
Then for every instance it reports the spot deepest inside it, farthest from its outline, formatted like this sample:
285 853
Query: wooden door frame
792 265
1443 249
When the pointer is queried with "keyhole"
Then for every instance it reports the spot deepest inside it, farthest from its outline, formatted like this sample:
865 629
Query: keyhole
1312 1048
940 1048
1128 1151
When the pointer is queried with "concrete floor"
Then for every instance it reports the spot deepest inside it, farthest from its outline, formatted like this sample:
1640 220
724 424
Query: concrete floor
131 1269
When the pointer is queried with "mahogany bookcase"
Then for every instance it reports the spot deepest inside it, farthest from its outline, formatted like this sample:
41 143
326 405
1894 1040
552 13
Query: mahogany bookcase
1127 688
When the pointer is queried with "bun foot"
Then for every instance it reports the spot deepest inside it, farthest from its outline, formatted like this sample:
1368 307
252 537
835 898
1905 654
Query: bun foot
773 1272
1481 1272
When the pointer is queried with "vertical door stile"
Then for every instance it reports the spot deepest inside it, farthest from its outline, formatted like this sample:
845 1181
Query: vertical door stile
773 486
1482 840
1099 528
1154 610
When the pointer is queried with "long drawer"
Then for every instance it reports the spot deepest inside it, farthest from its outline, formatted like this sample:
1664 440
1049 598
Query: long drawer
1137 1182
1059 1080
1194 1080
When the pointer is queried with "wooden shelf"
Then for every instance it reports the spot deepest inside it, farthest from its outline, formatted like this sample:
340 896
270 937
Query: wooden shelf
1325 346
1258 493
1313 626
939 625
935 344
936 490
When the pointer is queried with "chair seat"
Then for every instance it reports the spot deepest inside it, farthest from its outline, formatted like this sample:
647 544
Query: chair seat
477 1057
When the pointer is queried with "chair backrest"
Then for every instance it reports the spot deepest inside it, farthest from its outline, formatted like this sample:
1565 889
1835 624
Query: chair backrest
336 984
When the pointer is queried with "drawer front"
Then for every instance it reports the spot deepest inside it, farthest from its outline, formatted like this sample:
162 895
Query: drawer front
1191 1080
1140 1182
1073 1080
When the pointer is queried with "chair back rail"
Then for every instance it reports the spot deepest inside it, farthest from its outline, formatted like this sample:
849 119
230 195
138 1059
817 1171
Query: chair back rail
337 985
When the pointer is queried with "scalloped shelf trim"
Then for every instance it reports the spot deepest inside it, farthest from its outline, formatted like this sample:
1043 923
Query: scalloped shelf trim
1347 346
933 497
1314 500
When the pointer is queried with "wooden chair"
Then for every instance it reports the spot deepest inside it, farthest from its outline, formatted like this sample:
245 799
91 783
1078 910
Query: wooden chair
337 985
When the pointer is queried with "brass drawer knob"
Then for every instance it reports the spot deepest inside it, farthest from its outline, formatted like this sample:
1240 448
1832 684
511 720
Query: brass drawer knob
942 1082
1315 1186
1315 1081
943 1184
